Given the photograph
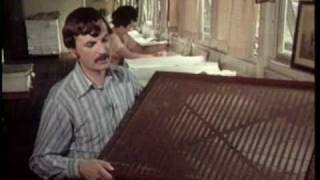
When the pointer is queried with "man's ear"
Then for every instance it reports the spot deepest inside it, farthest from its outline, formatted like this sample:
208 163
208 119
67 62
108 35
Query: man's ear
73 53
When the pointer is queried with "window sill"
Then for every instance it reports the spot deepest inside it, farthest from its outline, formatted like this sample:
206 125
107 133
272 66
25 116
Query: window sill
286 70
218 45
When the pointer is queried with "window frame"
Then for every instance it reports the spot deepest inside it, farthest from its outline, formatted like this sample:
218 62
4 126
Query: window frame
285 57
211 40
206 36
269 59
271 34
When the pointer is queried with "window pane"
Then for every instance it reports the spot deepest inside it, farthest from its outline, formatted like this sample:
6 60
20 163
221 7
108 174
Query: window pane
150 12
206 18
289 11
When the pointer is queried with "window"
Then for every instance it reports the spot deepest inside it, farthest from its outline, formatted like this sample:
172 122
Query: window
149 11
288 11
206 19
117 3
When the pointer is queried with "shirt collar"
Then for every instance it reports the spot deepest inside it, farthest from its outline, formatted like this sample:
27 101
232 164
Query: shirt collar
82 83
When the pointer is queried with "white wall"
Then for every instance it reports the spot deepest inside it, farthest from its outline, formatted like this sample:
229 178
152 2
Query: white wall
107 4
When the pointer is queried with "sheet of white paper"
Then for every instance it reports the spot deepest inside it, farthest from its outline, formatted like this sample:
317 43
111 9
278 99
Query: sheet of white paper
136 36
144 68
165 61
144 74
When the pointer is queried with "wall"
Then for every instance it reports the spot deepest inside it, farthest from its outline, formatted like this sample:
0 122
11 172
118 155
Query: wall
31 7
98 4
107 5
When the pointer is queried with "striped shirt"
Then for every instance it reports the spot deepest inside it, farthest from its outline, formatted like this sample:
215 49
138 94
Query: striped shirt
78 120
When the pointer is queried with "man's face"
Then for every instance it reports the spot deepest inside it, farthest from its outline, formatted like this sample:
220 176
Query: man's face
93 52
128 28
132 26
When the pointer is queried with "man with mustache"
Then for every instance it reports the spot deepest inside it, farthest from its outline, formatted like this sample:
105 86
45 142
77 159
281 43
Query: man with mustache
82 111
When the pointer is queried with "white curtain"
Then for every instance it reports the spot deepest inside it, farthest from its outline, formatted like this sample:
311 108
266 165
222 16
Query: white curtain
154 11
233 23
242 28
185 18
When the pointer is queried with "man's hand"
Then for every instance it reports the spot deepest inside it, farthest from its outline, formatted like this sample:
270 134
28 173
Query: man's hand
95 169
160 53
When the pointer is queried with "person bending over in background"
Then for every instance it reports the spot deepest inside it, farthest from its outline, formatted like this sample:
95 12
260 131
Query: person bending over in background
82 111
124 19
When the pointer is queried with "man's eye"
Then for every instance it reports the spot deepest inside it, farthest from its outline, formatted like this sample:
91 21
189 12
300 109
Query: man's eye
90 45
105 40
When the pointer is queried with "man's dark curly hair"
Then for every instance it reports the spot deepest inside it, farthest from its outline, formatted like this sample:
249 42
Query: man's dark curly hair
124 15
82 21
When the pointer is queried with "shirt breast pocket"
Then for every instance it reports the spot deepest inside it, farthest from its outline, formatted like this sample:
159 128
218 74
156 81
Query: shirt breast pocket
87 131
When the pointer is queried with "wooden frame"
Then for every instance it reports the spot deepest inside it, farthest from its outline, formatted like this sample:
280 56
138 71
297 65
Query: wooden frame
303 53
195 136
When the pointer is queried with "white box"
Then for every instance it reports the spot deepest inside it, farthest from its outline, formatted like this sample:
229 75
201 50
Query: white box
16 78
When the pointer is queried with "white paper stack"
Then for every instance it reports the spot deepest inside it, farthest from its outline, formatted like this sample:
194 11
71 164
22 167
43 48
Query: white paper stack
16 77
166 61
144 68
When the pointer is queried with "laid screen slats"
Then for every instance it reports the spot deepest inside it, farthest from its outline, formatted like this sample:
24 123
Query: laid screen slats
208 127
